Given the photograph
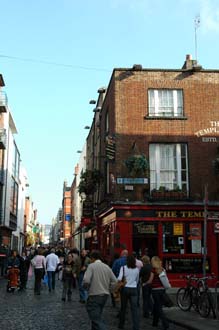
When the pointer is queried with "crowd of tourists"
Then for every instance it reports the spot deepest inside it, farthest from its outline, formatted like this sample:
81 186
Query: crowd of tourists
125 279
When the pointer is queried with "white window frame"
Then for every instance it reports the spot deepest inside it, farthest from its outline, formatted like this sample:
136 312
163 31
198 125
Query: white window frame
175 173
174 110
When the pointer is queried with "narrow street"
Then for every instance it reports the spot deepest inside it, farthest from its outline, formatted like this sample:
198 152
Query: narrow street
26 311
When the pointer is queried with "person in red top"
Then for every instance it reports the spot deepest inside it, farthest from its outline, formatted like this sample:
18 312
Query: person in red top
157 293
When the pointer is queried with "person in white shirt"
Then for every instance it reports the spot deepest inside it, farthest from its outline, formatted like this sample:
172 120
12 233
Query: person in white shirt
139 265
52 262
39 264
129 292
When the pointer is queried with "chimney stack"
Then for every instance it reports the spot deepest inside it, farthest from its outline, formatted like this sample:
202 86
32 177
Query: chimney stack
191 64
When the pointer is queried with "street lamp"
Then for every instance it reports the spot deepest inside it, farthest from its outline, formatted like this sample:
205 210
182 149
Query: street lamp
97 109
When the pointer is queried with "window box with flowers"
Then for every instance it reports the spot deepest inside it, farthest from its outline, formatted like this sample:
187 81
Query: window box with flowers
165 194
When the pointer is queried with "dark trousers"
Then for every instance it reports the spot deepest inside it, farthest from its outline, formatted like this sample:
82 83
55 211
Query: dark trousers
95 305
67 288
147 301
131 295
158 310
39 272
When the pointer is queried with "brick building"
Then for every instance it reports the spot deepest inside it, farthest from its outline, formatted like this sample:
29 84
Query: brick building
155 139
66 225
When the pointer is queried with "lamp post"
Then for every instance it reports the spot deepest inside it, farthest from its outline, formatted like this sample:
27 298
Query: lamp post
83 198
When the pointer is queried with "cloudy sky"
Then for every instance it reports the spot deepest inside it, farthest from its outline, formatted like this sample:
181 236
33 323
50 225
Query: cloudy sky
56 54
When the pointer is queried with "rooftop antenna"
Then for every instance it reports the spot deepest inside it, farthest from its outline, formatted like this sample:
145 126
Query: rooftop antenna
197 22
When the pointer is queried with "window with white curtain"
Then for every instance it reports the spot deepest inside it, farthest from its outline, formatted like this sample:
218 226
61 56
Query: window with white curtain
168 166
165 102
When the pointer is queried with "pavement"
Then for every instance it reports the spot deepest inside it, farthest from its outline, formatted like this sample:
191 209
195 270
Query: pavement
191 319
26 311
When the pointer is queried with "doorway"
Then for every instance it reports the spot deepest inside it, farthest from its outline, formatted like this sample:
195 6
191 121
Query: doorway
145 244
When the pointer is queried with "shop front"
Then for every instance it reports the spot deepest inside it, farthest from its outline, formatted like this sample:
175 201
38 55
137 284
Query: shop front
175 233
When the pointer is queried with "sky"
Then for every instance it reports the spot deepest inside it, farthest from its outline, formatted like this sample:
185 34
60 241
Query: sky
56 54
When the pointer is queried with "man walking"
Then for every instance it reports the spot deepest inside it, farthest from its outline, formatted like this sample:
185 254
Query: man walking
81 264
52 261
100 280
118 263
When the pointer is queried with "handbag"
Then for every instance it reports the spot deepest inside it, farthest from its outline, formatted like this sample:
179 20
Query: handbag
120 284
164 279
45 279
167 301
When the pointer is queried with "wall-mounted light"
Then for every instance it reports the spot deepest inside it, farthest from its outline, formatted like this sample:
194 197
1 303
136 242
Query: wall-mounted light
86 127
97 109
101 90
79 151
92 102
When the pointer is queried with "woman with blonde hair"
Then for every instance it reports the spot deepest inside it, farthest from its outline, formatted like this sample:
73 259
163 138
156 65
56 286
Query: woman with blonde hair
158 292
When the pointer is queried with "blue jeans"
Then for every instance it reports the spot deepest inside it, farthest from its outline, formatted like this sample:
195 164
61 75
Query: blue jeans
131 295
82 292
94 306
51 280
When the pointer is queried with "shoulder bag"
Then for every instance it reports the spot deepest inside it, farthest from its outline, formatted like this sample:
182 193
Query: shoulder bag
164 279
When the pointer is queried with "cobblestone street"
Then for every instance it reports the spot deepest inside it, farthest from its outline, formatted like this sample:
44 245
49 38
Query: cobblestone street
26 311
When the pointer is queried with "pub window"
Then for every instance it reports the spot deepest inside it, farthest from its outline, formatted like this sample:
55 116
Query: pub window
173 237
194 238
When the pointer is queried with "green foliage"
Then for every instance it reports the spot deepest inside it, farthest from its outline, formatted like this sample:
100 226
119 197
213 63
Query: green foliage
89 182
137 165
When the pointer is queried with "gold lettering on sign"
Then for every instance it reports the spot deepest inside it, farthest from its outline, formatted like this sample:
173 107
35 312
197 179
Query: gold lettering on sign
191 214
166 214
145 228
180 214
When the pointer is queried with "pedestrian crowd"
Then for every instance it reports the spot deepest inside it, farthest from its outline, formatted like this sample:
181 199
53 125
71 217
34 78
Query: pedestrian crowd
125 279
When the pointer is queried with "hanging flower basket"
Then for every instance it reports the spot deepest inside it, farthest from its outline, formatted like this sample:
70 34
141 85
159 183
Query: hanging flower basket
89 182
137 165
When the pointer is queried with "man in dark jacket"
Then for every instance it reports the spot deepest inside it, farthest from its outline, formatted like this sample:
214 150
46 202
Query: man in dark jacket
118 263
146 288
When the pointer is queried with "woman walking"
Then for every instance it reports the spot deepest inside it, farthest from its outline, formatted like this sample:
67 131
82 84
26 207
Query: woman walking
129 292
68 273
39 264
157 293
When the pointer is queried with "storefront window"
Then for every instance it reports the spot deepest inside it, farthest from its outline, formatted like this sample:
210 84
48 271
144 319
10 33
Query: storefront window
185 265
182 238
173 237
194 237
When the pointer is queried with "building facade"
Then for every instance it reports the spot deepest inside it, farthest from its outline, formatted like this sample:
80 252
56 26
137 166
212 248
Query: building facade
66 215
158 152
9 177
